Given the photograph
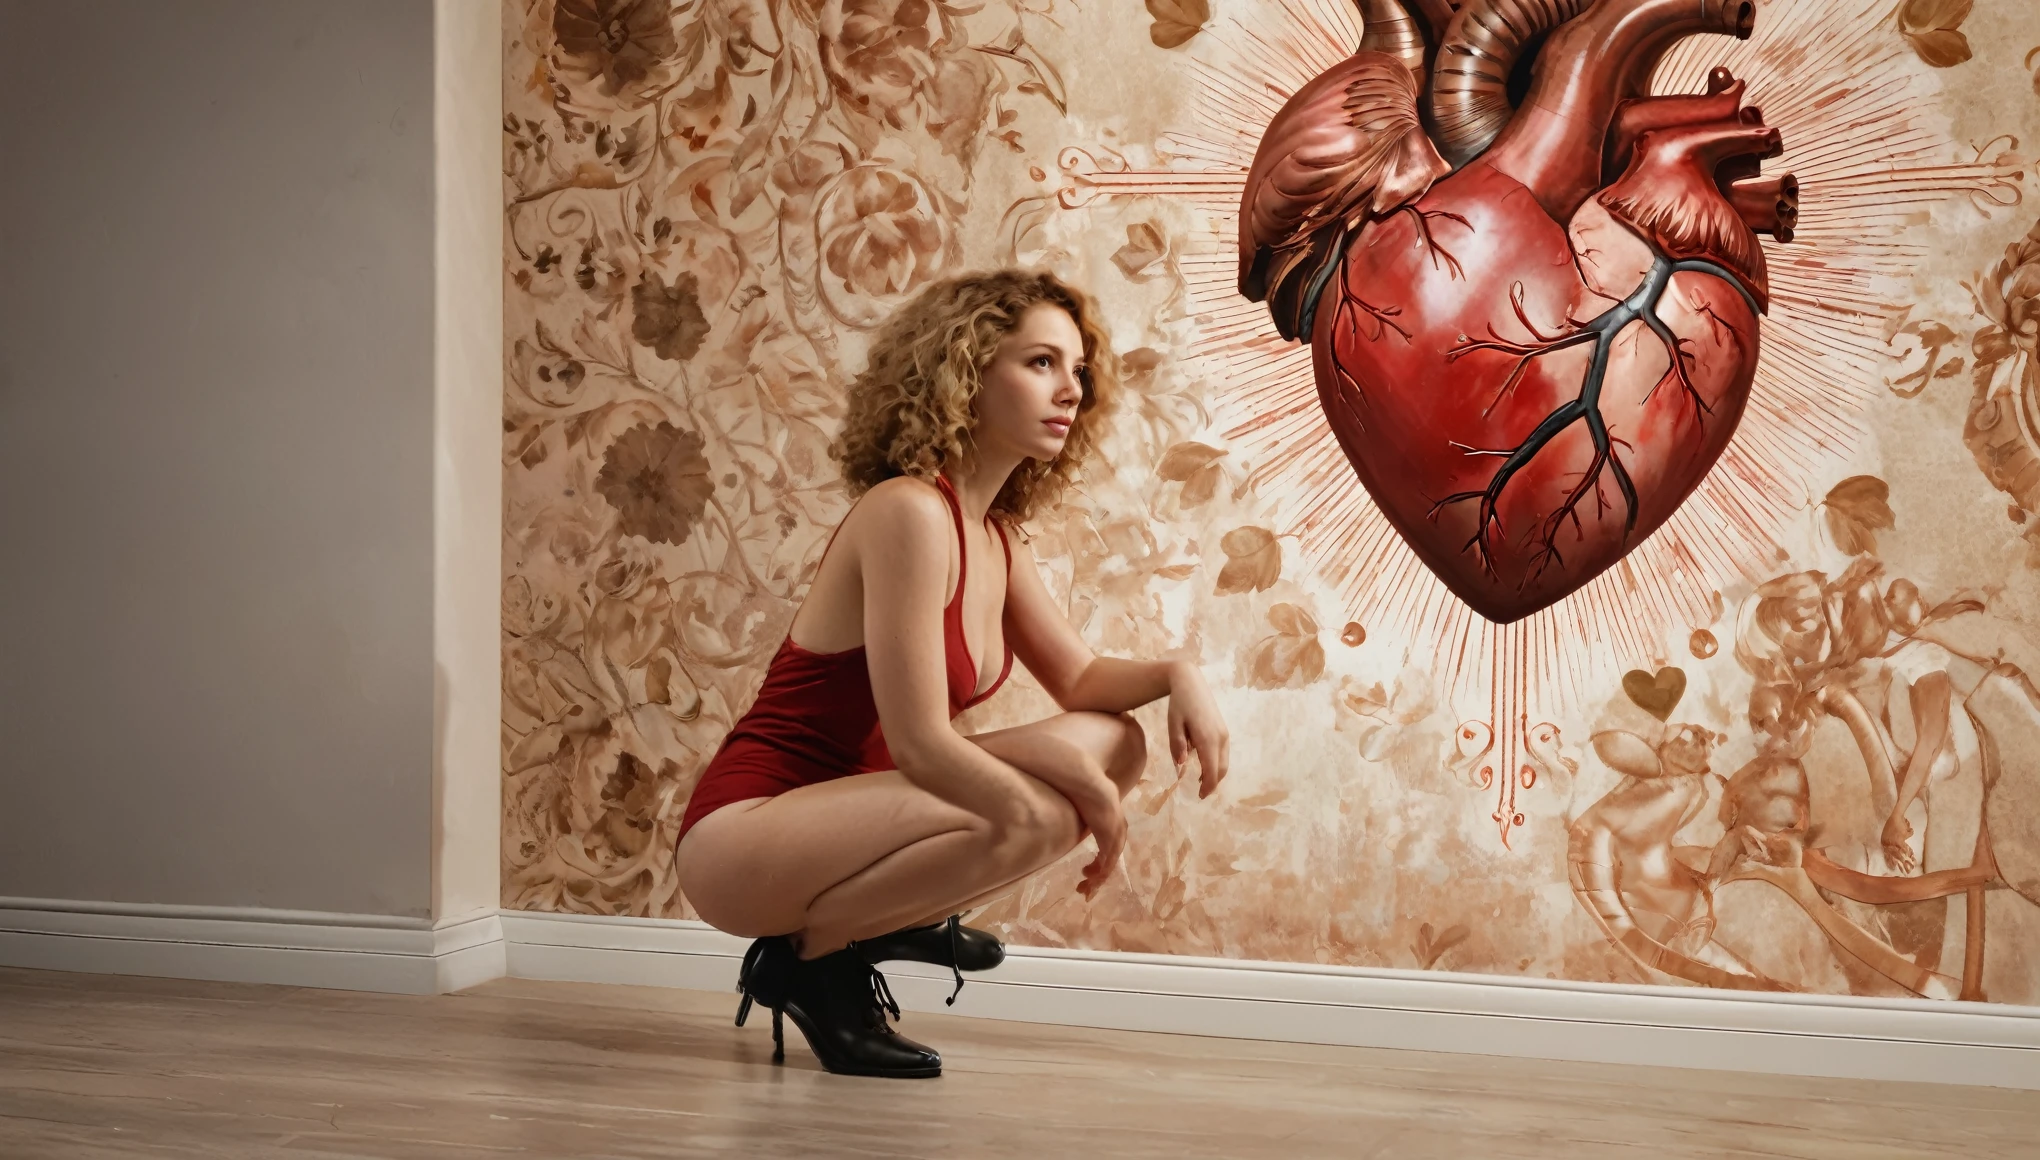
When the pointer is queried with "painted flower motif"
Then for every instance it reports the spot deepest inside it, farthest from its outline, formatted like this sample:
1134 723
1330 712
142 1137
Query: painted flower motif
2010 297
809 166
624 573
880 51
630 801
2002 414
882 237
895 62
668 319
617 44
528 611
657 480
699 251
603 267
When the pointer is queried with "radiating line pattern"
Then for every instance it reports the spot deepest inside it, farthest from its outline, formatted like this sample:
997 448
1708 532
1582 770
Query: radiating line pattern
1872 152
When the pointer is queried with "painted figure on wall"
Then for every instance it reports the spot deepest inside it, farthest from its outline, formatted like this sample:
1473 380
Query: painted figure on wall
1643 891
1943 742
1533 289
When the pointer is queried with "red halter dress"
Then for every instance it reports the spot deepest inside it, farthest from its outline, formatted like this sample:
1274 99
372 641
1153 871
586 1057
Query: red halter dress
814 719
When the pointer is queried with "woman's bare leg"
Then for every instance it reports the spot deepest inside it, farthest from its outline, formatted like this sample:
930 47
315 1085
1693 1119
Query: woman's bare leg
1124 760
860 856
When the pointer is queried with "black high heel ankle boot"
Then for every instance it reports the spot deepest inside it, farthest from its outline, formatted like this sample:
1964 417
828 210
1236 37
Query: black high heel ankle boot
842 1006
943 944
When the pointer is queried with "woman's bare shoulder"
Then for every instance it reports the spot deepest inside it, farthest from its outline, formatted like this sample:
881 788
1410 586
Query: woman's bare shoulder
905 489
895 537
902 514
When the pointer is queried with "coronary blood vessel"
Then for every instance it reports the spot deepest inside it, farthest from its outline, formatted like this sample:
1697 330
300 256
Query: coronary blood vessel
1532 289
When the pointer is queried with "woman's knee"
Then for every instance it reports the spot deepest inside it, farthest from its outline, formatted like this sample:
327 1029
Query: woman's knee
1126 761
1114 743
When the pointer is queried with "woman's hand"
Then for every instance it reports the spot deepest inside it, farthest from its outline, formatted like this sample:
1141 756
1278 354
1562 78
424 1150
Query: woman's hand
1074 773
1195 724
1106 821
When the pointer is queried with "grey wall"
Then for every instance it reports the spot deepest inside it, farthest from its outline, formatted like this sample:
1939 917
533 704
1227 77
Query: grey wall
216 404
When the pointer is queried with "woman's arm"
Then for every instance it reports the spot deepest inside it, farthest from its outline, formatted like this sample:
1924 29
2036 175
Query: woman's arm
1079 679
902 543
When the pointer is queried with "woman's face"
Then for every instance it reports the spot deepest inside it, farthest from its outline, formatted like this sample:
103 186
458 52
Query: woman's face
1032 387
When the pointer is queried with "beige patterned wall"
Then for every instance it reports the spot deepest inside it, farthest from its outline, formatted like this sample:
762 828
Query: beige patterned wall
1788 743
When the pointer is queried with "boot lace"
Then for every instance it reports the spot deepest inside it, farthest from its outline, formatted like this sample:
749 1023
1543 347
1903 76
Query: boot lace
955 921
882 1001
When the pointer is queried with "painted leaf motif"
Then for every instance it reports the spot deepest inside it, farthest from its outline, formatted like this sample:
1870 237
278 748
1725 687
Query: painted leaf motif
1169 899
530 449
1930 26
1431 946
1285 661
1253 560
1140 363
1923 15
1202 486
1930 333
1372 719
1858 508
1184 460
1942 48
1291 620
1368 701
1045 80
1293 656
1176 21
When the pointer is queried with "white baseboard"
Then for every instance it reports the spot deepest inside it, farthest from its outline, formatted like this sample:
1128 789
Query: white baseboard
1985 1044
352 952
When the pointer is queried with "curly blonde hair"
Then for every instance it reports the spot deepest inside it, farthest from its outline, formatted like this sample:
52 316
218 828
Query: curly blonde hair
912 410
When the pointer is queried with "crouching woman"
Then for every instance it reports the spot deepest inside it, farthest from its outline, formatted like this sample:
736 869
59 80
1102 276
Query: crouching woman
845 821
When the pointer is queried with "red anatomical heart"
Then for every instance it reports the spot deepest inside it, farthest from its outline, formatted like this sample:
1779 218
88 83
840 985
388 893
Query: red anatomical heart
1534 326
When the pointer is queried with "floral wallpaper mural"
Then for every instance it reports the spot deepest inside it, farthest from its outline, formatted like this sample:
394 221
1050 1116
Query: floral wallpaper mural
1700 650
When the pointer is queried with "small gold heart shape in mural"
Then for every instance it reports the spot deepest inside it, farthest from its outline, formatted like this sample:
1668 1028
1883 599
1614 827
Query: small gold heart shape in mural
1656 695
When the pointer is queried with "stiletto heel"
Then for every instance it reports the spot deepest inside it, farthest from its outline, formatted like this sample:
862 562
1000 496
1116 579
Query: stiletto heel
778 1037
844 1010
763 975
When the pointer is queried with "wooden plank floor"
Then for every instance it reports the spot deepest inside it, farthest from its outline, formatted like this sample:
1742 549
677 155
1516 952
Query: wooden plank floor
105 1066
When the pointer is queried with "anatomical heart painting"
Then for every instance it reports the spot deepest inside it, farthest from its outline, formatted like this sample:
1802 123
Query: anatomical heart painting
1591 446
